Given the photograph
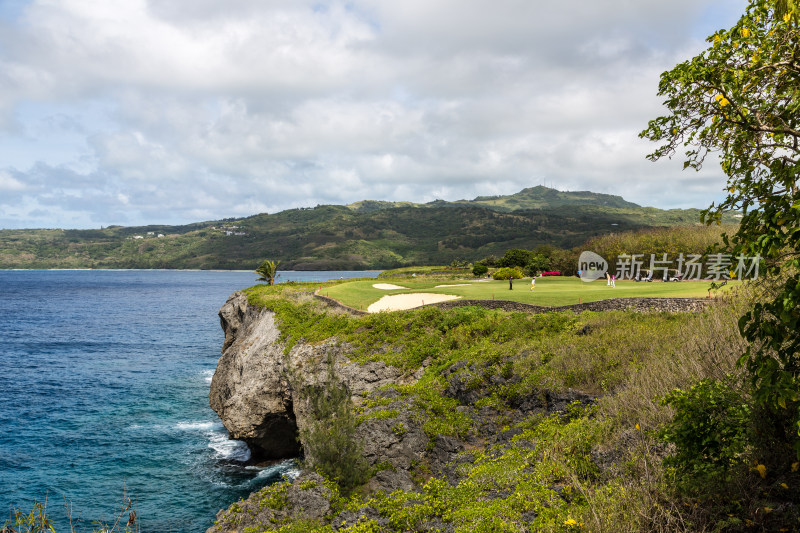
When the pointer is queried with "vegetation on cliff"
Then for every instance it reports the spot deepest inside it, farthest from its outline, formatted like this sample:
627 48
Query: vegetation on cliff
629 452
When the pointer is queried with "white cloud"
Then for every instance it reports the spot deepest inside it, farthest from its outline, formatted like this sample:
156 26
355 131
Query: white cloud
140 111
8 183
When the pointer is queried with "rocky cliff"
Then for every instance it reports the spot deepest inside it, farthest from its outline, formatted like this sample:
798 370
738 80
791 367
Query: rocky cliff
261 392
259 388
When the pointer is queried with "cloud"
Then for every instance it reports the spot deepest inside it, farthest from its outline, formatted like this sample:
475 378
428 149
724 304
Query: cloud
170 112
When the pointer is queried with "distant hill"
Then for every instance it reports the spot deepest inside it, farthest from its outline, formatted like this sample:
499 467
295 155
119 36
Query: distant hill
538 197
367 234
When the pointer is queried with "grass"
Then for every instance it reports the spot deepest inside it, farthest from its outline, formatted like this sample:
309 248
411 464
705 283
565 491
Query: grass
550 291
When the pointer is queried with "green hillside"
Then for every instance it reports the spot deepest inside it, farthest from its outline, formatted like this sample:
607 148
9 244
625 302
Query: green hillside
376 235
538 197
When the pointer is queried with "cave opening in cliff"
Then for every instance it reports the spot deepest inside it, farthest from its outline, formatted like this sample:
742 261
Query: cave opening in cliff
278 438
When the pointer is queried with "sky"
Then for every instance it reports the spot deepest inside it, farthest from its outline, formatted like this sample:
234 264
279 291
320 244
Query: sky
138 112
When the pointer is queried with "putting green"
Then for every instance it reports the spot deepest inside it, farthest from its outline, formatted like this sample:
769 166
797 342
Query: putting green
550 291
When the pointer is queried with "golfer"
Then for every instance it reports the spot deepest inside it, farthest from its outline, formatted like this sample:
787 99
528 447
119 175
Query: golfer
533 283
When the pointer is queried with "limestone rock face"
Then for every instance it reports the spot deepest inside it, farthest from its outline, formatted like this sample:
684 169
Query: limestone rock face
249 390
257 387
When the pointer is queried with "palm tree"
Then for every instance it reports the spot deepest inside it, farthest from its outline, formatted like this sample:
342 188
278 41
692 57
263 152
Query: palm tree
267 270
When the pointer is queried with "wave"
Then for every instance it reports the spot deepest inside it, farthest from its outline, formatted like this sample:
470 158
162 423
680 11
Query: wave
225 448
207 375
284 468
288 468
198 425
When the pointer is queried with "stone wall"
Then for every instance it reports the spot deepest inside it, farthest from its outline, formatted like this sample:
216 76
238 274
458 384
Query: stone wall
614 304
338 305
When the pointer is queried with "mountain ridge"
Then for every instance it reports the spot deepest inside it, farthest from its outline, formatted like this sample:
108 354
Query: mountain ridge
536 197
337 237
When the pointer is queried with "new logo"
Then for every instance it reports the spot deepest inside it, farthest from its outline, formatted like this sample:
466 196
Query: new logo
591 267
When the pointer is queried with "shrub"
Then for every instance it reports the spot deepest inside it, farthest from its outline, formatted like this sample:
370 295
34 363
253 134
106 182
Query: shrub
508 273
480 270
709 431
329 439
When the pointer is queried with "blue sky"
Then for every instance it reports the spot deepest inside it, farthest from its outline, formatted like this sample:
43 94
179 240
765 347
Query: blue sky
141 112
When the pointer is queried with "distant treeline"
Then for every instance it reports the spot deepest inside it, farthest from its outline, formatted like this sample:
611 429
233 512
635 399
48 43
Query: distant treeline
686 240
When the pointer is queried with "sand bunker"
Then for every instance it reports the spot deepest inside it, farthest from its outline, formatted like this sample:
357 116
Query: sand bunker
459 285
397 302
387 286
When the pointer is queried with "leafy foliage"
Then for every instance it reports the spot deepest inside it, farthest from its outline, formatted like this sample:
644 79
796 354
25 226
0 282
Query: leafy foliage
529 260
480 270
741 98
329 438
709 430
333 237
508 273
515 258
34 521
538 263
658 241
595 468
268 269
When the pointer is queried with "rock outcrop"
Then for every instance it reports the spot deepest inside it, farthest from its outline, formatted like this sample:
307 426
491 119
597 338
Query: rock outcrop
261 392
257 389
249 390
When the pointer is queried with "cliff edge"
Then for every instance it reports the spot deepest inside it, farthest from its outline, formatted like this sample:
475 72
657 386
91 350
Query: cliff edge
261 391
405 429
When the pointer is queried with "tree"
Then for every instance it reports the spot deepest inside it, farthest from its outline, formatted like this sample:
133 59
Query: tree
329 438
479 270
741 99
515 257
268 270
490 260
560 260
537 263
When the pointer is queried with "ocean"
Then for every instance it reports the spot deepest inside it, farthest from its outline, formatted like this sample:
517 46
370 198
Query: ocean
104 396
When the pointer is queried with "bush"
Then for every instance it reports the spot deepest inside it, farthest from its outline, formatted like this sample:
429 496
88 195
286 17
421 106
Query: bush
508 273
480 270
329 440
709 431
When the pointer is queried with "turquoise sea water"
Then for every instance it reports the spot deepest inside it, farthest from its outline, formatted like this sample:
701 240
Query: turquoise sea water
104 389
